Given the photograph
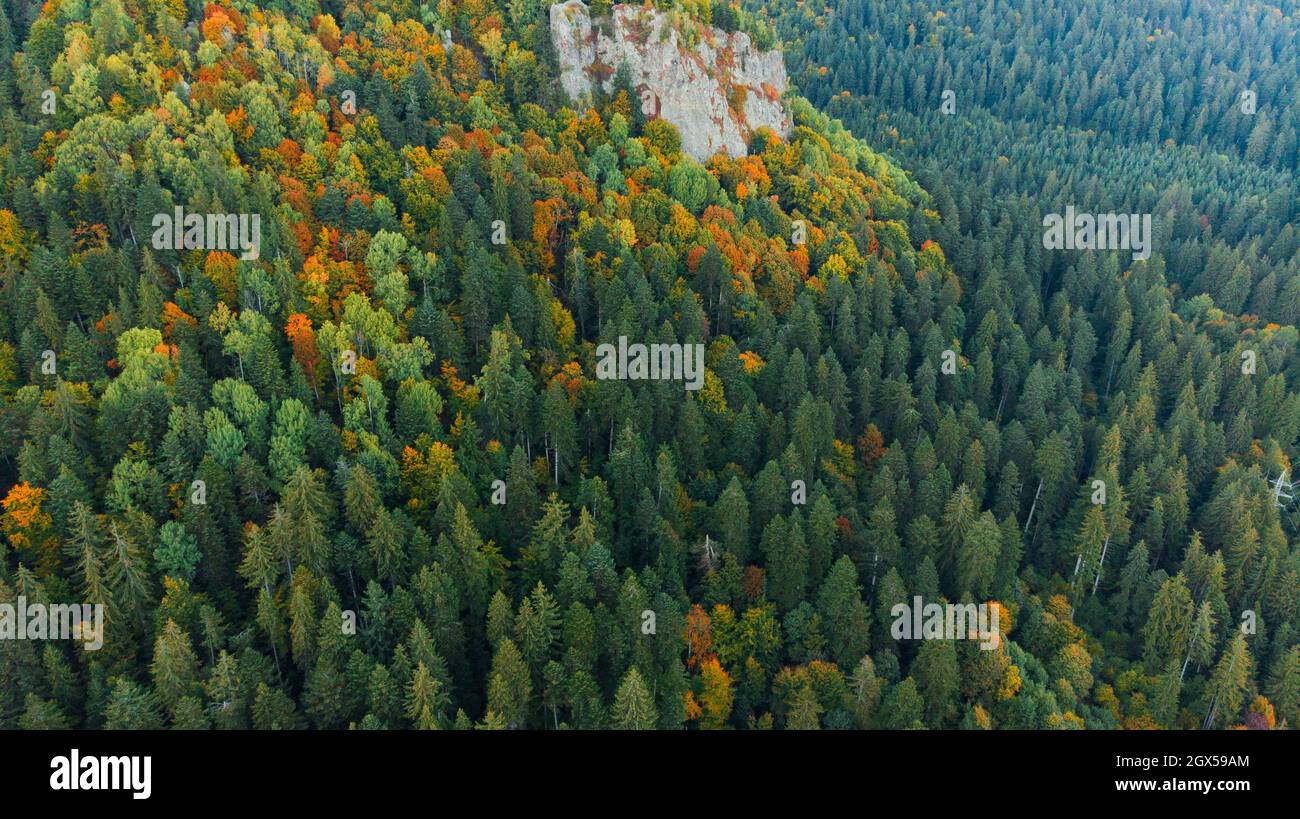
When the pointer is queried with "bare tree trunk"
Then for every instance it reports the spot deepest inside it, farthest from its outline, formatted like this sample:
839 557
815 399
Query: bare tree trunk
1100 563
1034 505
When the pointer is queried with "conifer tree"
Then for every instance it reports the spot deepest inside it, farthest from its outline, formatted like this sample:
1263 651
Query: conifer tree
634 708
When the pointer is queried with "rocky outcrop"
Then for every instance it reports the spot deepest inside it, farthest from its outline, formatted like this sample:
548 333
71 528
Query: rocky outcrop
717 92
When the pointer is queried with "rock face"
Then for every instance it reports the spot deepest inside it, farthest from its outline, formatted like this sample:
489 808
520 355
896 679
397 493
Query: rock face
717 93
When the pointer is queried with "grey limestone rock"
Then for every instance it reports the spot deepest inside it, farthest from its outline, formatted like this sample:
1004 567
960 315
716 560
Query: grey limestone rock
717 92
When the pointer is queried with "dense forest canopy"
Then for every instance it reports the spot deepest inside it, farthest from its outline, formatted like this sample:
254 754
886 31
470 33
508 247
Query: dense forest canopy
366 475
1187 110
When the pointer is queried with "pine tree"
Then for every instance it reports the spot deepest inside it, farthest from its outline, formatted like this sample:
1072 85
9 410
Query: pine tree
903 707
426 699
1164 704
131 707
1229 685
977 557
1284 686
938 680
273 710
804 710
732 515
39 714
510 688
634 708
1168 623
174 666
846 618
787 562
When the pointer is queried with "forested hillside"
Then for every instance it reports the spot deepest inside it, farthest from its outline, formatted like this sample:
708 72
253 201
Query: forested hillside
1187 110
366 473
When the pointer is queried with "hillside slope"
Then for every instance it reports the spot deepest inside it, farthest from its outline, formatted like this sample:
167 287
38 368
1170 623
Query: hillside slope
358 461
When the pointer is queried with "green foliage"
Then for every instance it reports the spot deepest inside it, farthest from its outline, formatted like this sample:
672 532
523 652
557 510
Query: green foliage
373 478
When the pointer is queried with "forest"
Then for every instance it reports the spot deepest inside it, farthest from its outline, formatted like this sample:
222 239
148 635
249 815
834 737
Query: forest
368 476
